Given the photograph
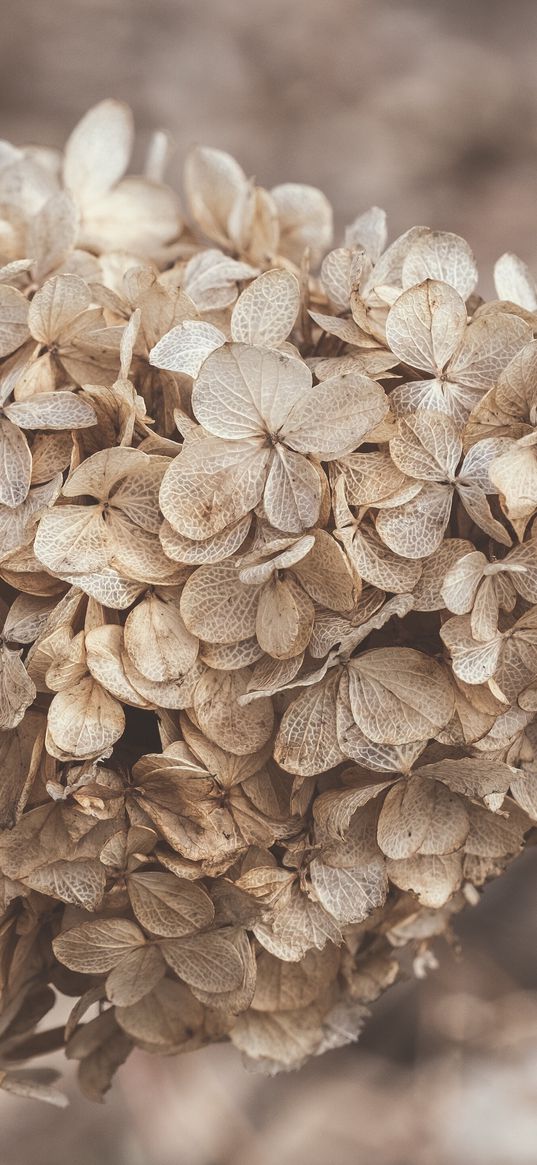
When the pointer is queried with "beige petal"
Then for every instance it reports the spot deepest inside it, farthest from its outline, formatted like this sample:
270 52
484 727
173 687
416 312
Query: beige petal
15 464
98 474
97 947
337 276
514 281
398 695
104 646
239 730
433 879
305 218
17 690
442 256
55 410
71 539
284 621
244 391
52 234
427 594
84 721
265 312
292 494
325 575
186 347
158 641
282 986
426 324
79 883
206 961
488 346
138 215
135 975
13 319
368 230
376 564
422 816
473 662
416 529
213 181
169 906
220 546
211 277
427 446
461 582
164 1019
335 416
307 741
98 150
212 484
56 305
217 606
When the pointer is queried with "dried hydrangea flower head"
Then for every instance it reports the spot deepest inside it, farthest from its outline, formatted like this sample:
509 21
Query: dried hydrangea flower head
268 665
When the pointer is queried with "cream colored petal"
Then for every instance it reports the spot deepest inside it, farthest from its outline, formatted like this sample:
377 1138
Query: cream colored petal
427 446
186 347
305 218
157 639
461 582
98 151
325 575
244 391
488 345
17 690
52 234
137 215
84 721
104 647
285 616
220 546
213 181
73 539
433 880
15 464
426 325
442 256
211 485
307 742
217 607
335 416
514 281
378 565
399 695
55 410
13 319
56 305
265 312
416 529
100 472
292 494
211 277
239 730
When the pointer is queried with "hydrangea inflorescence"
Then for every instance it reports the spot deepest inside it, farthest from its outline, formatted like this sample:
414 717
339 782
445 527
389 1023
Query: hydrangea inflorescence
268 670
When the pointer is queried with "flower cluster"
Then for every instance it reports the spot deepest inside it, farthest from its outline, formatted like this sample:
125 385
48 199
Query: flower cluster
268 563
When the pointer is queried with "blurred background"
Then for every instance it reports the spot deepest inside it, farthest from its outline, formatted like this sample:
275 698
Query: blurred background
428 108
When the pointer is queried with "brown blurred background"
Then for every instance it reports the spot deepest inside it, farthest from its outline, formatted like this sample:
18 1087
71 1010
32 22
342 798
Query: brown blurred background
426 107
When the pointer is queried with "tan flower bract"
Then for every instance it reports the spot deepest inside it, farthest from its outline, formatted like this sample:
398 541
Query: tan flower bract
268 603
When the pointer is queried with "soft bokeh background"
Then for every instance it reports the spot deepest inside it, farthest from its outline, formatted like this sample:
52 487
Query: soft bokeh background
426 107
